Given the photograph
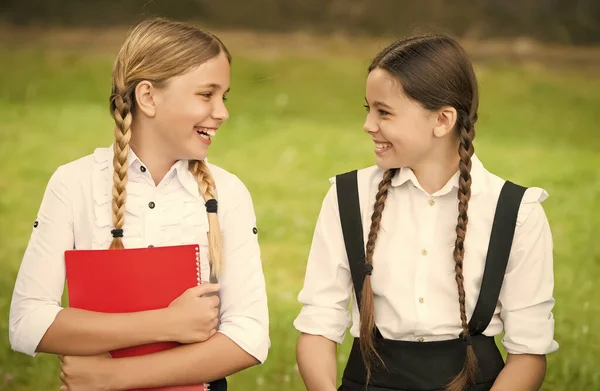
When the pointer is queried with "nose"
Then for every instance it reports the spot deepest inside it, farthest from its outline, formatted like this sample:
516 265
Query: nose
220 111
370 126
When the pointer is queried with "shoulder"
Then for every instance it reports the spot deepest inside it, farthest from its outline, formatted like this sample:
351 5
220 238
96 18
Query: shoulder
366 176
531 203
367 179
229 186
76 172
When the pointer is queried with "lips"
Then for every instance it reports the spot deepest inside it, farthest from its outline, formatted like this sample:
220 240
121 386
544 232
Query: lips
205 133
381 146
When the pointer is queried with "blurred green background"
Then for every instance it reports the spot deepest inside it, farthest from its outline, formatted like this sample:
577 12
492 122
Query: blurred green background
296 120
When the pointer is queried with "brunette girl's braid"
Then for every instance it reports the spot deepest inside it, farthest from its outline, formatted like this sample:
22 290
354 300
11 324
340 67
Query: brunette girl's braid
367 304
465 151
435 71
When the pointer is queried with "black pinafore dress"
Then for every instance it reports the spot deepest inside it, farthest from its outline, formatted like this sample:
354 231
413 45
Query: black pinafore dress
429 366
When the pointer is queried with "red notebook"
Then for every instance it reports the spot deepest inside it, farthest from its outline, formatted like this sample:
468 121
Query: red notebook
131 280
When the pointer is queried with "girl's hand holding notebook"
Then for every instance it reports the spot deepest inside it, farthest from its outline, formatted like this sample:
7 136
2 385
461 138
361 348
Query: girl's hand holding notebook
85 373
194 315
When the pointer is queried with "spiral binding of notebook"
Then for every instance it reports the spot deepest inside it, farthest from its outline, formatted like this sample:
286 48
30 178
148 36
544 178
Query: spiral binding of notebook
199 277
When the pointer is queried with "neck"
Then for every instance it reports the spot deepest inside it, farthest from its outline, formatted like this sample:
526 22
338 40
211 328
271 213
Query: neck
435 172
156 162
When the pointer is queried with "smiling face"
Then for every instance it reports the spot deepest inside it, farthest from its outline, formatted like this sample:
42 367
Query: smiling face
190 109
402 130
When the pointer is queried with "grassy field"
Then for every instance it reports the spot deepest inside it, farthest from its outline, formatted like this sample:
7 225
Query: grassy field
296 120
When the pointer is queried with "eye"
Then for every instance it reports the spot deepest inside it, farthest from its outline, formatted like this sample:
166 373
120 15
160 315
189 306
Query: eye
383 113
225 98
367 108
207 95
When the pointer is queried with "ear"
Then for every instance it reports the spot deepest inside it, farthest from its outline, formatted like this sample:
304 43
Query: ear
144 97
444 121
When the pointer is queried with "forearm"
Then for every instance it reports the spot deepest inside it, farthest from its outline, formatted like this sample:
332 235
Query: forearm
197 363
523 372
316 356
76 332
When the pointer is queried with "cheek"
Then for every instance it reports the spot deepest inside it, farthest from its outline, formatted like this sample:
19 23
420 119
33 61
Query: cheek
202 109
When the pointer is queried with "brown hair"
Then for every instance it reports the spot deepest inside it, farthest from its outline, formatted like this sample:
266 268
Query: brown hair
436 72
155 50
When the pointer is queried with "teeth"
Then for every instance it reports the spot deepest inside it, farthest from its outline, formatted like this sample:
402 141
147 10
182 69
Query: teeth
382 145
204 136
210 132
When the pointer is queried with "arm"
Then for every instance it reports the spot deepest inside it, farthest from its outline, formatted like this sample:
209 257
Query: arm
325 296
189 364
316 357
37 321
523 372
526 299
84 333
243 336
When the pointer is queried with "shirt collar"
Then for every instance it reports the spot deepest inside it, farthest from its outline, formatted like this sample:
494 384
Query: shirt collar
180 168
477 177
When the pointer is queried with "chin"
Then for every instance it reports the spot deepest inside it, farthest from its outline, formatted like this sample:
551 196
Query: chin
386 164
197 154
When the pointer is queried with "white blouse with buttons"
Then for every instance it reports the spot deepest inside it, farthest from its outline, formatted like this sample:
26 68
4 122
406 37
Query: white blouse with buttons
76 213
413 276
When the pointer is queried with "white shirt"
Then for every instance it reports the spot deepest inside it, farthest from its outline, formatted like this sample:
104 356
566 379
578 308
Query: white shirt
76 213
413 276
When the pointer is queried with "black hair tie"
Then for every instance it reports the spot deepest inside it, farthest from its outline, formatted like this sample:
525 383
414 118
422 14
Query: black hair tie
117 233
211 206
468 340
368 269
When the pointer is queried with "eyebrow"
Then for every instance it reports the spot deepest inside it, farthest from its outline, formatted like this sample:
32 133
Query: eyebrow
379 103
213 85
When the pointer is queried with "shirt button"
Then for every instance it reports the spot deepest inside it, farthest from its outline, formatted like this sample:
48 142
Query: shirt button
421 339
424 252
421 300
151 205
431 202
143 169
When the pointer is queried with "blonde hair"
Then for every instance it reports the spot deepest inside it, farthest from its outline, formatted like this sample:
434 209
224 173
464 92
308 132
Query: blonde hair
155 50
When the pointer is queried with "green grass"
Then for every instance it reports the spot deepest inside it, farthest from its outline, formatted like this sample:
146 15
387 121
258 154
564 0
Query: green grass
295 122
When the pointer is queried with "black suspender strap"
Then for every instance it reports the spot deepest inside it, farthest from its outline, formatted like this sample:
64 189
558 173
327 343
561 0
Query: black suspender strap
501 238
349 207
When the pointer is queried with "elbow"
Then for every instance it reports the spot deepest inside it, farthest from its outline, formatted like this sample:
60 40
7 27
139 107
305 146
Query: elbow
250 361
27 328
15 329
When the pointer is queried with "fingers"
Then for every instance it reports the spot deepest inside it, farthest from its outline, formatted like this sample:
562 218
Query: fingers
61 358
214 301
63 388
63 379
203 289
214 323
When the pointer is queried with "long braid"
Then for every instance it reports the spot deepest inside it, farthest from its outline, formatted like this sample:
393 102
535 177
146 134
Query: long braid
467 375
367 305
206 185
121 105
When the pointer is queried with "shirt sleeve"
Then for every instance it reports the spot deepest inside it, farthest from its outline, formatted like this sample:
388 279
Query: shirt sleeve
41 278
244 310
526 297
328 283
